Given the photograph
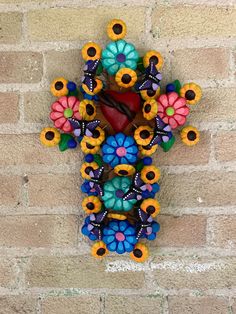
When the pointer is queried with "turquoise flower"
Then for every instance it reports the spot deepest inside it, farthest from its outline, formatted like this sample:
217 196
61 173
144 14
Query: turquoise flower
114 191
119 54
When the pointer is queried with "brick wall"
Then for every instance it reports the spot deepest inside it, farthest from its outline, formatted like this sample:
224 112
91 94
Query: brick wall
45 263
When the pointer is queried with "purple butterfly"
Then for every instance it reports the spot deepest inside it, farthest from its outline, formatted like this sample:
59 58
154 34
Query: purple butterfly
90 69
151 80
82 127
136 189
96 222
162 133
145 224
95 181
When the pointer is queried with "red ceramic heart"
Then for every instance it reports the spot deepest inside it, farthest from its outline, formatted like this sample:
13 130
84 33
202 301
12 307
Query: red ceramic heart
118 120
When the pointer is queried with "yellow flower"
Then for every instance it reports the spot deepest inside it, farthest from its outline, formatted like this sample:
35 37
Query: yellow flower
91 51
147 152
150 206
50 137
96 90
59 87
86 168
116 216
191 92
124 170
126 77
190 135
97 138
140 253
88 148
99 250
150 174
150 109
150 94
143 135
155 57
87 109
91 204
116 29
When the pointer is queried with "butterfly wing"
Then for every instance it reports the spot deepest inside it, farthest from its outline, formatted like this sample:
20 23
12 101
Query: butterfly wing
90 127
98 188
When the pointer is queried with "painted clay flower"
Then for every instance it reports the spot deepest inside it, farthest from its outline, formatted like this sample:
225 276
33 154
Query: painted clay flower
150 206
119 54
64 108
86 168
119 149
191 92
150 109
119 236
91 204
126 77
91 51
140 253
147 94
124 170
87 110
50 137
151 190
150 174
146 151
86 188
155 57
114 191
97 138
172 109
59 87
87 148
116 29
99 250
190 135
143 135
151 232
93 225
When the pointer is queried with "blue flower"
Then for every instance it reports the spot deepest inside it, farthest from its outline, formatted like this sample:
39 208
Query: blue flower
150 232
119 236
151 191
119 54
119 149
87 229
85 188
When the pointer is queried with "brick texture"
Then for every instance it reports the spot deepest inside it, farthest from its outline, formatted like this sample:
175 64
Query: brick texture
199 21
27 69
10 31
10 190
9 114
17 304
225 151
38 231
79 272
223 231
69 305
209 305
7 273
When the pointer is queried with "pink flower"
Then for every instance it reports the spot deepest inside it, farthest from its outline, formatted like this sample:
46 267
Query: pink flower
64 108
172 109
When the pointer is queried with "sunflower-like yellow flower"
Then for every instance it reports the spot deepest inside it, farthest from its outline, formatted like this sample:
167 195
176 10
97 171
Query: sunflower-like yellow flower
140 253
150 109
155 57
143 135
86 168
126 77
88 148
124 170
91 51
190 135
97 138
116 29
91 204
50 137
150 206
99 250
96 90
116 216
191 92
147 151
59 87
87 109
150 94
150 174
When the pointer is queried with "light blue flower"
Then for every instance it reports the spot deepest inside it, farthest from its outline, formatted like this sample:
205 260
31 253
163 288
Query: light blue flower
119 236
119 54
119 149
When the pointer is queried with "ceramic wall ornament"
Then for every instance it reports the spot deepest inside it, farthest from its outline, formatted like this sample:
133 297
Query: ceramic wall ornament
120 116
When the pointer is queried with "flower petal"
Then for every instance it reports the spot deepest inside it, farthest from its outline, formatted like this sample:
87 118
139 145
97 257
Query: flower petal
132 149
114 225
63 101
131 239
173 123
112 246
113 69
120 138
180 119
181 102
72 101
123 225
184 111
108 158
59 122
114 162
107 149
118 205
108 231
131 158
172 97
163 100
112 47
128 246
108 62
110 203
54 115
130 64
112 141
133 55
120 44
120 248
56 106
129 231
67 127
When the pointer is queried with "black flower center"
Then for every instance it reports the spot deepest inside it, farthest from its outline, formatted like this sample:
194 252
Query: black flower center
91 51
191 136
154 59
101 251
90 206
150 175
147 108
144 134
117 28
123 172
151 93
96 134
150 209
89 146
88 169
190 95
49 135
126 79
89 109
59 85
138 253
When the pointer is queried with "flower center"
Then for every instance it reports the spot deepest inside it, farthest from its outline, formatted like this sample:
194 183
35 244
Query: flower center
120 236
119 193
68 113
170 111
120 57
121 151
